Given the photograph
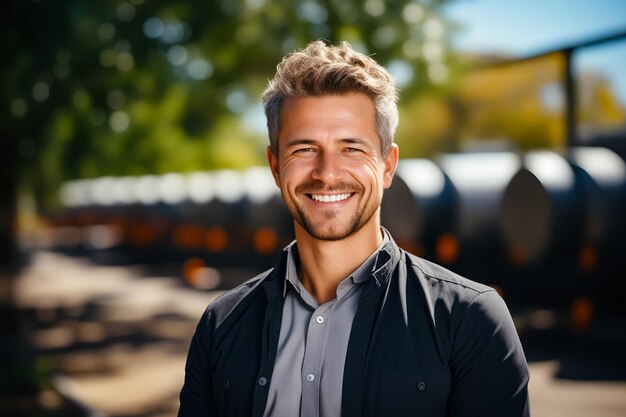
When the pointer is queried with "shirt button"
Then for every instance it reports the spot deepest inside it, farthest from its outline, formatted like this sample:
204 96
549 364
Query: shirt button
319 319
421 386
262 381
310 377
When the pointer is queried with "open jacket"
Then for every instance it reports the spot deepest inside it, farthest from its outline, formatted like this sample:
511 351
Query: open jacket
424 342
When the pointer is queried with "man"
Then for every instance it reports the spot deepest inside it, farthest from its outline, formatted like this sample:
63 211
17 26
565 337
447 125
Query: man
347 324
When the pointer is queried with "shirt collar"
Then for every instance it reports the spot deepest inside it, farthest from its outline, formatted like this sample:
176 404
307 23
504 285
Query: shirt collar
371 268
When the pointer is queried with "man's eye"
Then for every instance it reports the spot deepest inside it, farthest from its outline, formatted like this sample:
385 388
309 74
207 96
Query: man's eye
353 150
302 150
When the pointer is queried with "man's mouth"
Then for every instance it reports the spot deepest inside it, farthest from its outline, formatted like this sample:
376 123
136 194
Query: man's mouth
329 198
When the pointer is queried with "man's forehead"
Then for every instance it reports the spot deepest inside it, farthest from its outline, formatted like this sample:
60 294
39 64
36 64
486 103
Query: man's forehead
331 106
330 95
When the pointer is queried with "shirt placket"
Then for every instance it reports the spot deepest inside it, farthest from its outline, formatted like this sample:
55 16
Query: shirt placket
312 365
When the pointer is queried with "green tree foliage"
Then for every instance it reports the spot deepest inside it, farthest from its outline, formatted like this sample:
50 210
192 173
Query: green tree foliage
119 87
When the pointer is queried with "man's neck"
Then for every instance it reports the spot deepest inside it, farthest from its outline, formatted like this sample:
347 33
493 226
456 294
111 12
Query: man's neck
324 264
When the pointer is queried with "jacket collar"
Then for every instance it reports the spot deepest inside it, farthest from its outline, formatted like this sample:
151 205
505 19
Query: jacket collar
386 257
386 261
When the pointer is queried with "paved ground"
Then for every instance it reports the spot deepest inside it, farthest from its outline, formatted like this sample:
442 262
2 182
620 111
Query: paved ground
117 340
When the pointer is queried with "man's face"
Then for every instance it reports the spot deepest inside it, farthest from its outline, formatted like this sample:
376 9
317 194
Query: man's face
329 166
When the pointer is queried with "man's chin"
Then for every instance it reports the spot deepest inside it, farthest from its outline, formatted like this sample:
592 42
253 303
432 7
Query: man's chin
330 233
329 237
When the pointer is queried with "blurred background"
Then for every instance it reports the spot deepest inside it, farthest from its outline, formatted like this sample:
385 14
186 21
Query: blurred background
134 189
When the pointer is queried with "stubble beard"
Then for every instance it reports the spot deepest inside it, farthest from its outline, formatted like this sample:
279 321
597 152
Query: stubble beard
331 232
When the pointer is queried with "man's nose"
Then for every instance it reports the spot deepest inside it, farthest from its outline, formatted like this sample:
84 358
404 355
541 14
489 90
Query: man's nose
328 167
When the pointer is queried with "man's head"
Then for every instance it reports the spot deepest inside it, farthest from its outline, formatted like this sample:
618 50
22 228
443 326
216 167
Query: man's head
320 70
332 116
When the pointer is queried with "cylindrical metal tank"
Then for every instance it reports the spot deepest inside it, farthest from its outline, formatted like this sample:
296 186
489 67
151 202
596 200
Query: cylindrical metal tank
542 214
479 180
418 207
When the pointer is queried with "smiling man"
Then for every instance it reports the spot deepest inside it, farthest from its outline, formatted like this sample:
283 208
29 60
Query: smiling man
347 323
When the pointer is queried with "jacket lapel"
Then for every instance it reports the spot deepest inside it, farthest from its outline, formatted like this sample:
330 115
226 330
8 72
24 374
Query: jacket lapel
363 328
271 334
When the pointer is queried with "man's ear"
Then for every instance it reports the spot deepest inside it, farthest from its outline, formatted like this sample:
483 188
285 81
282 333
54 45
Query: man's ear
391 163
273 163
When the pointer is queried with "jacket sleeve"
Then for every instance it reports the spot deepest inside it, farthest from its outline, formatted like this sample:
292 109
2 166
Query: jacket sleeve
489 371
196 396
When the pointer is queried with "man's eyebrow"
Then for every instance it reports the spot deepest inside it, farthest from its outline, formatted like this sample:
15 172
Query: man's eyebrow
348 141
299 142
355 141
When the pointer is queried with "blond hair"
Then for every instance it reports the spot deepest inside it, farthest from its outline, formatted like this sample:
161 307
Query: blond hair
321 69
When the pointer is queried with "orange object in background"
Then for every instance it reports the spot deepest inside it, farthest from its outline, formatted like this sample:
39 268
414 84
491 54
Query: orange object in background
588 258
447 248
216 239
191 268
142 234
188 236
582 313
265 240
198 275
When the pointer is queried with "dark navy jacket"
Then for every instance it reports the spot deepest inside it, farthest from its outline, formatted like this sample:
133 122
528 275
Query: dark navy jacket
424 342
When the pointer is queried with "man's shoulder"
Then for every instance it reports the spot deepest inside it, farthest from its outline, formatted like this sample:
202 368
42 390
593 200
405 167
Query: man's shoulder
439 276
454 299
222 306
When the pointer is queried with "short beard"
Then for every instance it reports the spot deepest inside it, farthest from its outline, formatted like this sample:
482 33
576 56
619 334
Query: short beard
356 222
354 225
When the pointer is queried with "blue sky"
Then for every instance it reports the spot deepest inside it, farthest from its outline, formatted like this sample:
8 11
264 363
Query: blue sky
524 27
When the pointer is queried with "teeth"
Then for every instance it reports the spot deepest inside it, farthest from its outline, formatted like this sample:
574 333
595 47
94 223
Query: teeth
329 198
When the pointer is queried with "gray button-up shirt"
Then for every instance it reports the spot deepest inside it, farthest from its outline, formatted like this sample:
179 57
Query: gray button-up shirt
308 373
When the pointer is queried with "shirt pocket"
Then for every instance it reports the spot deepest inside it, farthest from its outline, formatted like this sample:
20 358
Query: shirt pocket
233 392
410 393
